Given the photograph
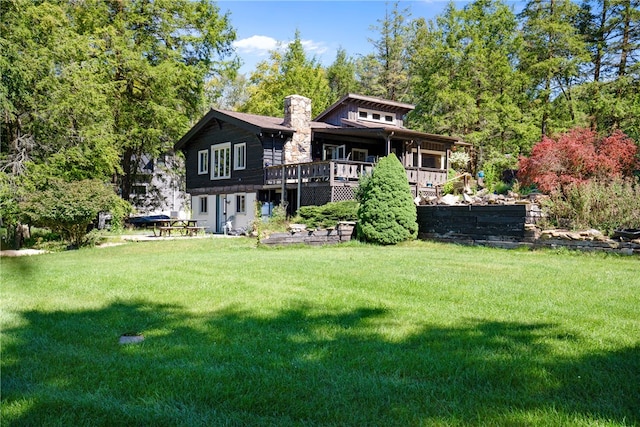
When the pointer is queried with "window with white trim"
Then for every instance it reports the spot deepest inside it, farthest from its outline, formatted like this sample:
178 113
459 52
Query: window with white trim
221 161
241 206
204 205
359 155
333 152
203 162
376 116
240 156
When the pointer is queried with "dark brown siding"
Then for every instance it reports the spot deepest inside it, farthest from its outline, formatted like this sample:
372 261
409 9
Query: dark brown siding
273 146
217 133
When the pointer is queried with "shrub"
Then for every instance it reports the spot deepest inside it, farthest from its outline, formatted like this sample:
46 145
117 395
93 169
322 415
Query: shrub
459 160
605 205
387 214
69 207
494 169
329 214
577 157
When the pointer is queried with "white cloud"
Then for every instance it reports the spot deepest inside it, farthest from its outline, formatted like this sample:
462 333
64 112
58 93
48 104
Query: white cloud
313 47
260 45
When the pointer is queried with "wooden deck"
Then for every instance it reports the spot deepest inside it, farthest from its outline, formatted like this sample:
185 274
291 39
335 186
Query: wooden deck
343 173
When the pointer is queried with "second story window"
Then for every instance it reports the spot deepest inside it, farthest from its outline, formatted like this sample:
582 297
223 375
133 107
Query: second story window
240 156
203 162
221 161
376 116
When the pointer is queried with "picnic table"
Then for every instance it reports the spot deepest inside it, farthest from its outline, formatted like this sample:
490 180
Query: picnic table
186 227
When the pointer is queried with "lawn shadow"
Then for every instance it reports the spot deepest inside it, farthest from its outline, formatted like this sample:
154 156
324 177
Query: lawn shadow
301 365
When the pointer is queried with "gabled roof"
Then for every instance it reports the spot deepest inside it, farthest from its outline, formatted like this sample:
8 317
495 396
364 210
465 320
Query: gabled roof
368 102
250 122
253 123
258 124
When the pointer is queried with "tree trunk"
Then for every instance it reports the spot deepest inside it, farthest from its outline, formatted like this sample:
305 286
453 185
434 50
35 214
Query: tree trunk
625 45
128 170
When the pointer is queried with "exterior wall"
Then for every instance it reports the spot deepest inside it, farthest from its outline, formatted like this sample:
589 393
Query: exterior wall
350 110
241 219
205 219
222 208
220 133
157 187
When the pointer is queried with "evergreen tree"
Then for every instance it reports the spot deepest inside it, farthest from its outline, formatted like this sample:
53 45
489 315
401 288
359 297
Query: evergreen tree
387 214
554 55
342 76
390 58
465 78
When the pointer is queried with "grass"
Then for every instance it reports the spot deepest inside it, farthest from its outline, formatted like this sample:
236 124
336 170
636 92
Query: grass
416 334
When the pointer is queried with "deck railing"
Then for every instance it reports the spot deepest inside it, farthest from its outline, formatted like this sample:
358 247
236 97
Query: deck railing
337 171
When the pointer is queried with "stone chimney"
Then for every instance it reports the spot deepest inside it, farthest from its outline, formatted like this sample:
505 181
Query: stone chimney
297 115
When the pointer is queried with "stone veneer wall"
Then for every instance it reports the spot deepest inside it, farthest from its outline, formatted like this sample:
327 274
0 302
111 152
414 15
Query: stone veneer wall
297 115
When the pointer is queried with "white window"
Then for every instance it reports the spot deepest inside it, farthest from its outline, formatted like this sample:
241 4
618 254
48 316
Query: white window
204 207
333 152
376 116
203 162
240 156
221 161
359 155
241 206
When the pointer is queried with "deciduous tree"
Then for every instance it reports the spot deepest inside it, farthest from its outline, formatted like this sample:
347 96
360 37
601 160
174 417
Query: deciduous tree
577 157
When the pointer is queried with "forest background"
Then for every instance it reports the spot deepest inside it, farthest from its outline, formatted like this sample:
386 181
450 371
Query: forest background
89 87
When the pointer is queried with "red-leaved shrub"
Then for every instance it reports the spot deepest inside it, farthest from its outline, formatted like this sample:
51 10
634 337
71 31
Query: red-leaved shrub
577 157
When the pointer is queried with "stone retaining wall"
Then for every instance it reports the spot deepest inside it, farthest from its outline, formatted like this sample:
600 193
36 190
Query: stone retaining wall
510 227
299 234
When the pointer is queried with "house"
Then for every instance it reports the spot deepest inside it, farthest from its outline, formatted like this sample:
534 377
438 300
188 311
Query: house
156 186
234 160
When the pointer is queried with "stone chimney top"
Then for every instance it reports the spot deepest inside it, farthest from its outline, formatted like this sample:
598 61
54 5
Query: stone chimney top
297 116
297 111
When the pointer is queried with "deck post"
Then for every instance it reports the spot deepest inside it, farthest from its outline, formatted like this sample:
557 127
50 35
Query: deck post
299 186
284 184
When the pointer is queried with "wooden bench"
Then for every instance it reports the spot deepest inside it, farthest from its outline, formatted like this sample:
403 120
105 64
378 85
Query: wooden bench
167 230
192 231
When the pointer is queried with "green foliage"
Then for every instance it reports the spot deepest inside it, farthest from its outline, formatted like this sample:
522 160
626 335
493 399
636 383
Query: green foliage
447 188
466 80
69 207
329 214
94 84
605 205
342 76
494 169
288 73
459 160
387 214
388 66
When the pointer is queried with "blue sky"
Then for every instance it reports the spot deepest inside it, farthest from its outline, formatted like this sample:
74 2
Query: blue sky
324 26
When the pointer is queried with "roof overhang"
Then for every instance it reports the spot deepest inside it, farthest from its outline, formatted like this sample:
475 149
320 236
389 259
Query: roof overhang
370 102
250 122
390 132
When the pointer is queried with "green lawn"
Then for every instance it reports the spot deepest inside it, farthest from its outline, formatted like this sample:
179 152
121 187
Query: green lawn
350 335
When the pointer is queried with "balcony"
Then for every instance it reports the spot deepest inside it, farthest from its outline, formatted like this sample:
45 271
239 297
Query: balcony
342 172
